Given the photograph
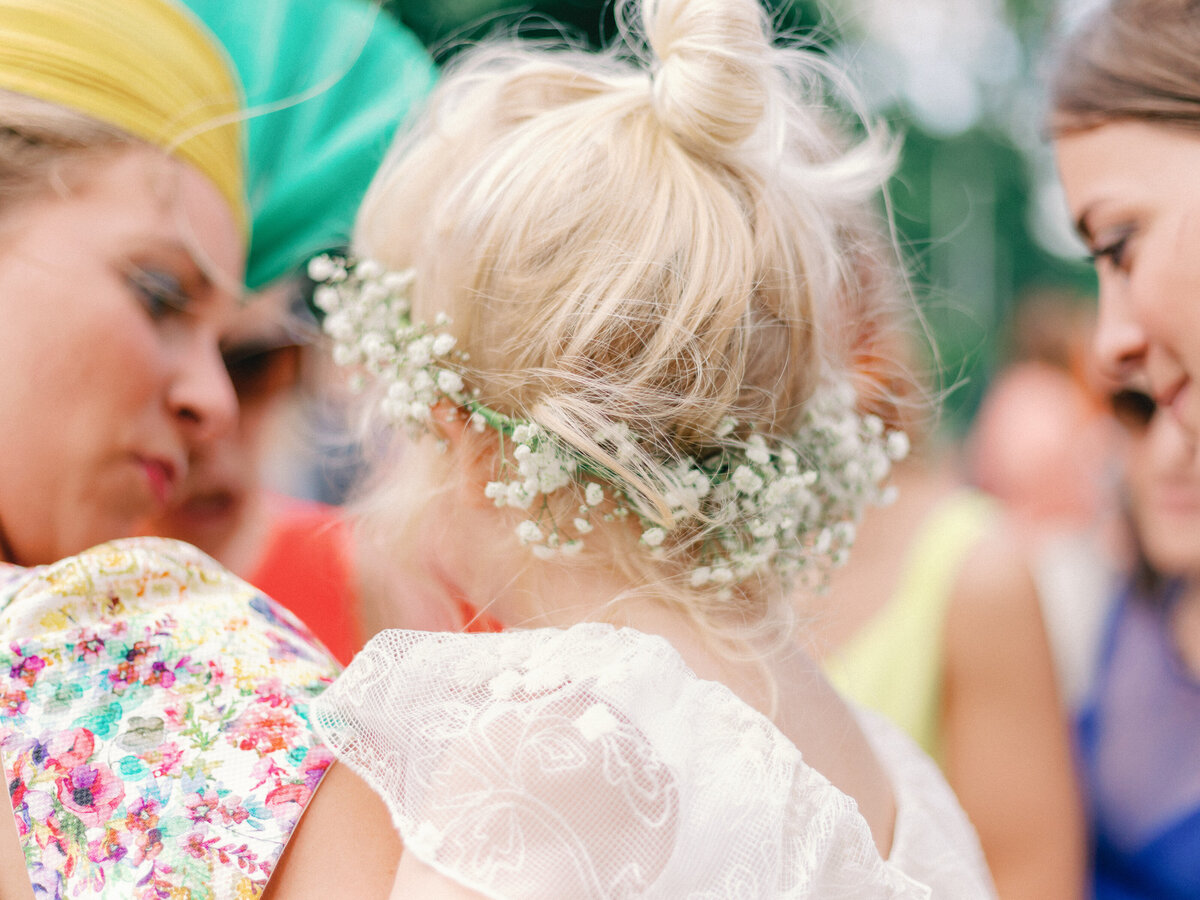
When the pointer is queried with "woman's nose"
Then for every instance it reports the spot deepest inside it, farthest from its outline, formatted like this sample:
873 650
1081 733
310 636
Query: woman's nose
1119 341
201 397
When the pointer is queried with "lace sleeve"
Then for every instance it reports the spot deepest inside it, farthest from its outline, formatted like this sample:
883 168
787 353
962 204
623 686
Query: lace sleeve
933 840
592 763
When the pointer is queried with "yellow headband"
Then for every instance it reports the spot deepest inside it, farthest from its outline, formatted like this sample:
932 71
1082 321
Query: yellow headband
148 67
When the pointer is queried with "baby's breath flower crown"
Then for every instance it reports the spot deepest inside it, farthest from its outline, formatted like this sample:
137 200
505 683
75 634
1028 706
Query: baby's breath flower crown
760 504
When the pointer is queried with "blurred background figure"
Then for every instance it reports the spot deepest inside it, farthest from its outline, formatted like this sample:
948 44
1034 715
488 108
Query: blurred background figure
1139 729
1043 444
1040 440
1037 446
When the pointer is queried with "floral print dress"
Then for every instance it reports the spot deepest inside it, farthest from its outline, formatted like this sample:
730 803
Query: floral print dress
154 728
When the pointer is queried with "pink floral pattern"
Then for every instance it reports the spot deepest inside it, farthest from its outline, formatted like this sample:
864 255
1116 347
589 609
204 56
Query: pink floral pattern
154 725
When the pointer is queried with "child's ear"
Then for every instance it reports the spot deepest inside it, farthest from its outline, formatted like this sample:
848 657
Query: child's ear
449 422
474 452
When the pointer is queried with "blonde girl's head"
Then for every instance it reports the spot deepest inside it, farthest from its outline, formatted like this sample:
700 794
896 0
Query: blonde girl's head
665 236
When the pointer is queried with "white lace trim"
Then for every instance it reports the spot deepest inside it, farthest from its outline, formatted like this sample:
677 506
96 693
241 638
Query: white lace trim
592 763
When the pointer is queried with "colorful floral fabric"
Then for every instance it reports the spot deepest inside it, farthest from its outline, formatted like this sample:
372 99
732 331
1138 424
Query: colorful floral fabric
154 726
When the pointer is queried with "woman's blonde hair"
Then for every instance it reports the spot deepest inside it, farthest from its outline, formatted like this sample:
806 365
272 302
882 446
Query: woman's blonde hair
38 138
665 235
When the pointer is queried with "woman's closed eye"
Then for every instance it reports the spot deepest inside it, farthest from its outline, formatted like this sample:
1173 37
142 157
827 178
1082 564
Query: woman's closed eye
261 370
161 293
1114 253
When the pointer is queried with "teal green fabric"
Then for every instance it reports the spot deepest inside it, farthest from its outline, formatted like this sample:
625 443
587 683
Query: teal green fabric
309 163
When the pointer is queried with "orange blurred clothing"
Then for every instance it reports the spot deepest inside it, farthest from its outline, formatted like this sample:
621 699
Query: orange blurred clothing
307 564
472 620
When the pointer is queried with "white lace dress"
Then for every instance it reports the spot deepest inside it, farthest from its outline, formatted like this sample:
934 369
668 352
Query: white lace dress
592 763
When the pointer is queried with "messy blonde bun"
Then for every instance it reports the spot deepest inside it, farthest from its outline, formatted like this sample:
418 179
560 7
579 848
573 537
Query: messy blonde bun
712 73
663 235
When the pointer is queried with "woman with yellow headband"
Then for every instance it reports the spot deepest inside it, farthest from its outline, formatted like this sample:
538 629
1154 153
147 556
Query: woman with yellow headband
122 181
150 748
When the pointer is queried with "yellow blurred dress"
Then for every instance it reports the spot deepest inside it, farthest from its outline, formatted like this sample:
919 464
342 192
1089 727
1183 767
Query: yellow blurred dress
895 663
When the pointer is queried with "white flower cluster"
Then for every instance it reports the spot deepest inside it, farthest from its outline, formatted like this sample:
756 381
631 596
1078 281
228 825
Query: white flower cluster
368 315
792 505
541 466
761 505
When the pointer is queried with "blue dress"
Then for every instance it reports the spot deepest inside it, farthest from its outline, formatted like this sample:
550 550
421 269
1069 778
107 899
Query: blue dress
1139 745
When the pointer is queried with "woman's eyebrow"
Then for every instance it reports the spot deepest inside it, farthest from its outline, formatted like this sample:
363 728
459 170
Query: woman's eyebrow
192 270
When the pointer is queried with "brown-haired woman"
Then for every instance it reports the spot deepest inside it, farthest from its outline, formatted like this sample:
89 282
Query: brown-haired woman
1125 119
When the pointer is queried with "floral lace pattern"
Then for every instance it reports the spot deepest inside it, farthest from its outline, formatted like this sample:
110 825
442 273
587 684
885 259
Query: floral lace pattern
592 763
154 748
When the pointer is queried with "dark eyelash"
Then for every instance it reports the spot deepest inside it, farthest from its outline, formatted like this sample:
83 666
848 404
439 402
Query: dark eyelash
1114 251
159 289
262 368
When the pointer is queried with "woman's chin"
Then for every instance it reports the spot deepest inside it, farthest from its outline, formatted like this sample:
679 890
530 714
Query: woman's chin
209 521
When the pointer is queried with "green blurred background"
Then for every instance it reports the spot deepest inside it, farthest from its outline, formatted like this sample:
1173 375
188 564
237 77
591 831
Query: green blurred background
974 199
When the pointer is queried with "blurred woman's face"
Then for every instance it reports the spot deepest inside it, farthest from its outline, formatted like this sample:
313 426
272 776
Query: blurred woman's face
1134 192
1162 476
114 301
214 506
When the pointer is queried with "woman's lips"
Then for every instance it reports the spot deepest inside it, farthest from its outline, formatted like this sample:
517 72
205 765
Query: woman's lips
161 476
1173 399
